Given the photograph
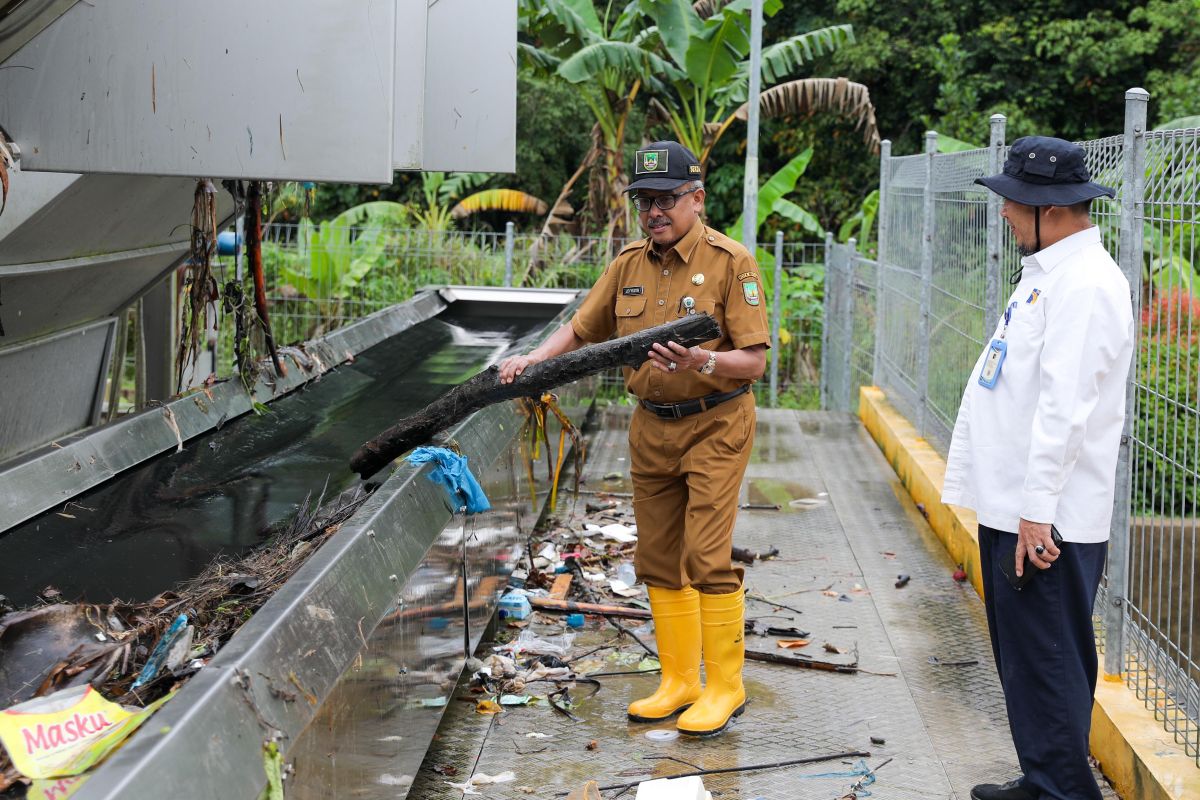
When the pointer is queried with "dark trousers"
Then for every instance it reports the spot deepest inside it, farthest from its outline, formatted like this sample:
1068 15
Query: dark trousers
1045 652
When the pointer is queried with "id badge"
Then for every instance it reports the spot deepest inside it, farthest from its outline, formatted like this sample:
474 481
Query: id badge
990 374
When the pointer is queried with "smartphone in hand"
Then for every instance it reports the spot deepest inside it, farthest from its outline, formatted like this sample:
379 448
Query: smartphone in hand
1008 558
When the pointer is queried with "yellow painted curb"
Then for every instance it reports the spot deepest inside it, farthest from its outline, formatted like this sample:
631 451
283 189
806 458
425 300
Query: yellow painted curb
1134 751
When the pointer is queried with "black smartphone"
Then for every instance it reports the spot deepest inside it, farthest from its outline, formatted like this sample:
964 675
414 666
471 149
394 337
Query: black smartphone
1008 560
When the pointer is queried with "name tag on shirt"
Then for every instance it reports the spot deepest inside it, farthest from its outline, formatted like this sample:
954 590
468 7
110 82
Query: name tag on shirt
992 362
632 291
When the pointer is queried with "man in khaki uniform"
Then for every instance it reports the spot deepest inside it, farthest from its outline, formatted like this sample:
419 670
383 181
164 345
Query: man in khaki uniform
691 433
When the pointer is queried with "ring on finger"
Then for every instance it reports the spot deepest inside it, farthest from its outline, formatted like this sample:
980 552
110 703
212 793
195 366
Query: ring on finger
1039 549
672 366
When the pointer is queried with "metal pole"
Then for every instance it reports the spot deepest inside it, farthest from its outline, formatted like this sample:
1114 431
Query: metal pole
991 289
885 155
847 315
927 230
826 319
750 186
776 318
1133 187
508 253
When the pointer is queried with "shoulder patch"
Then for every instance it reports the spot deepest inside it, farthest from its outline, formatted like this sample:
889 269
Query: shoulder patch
748 276
634 245
750 293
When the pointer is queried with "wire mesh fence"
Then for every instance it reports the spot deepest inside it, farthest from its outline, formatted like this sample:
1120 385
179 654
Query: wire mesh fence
923 312
320 277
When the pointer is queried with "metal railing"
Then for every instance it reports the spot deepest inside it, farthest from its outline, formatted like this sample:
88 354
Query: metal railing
319 278
914 322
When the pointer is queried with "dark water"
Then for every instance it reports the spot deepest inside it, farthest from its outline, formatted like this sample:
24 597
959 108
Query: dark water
163 522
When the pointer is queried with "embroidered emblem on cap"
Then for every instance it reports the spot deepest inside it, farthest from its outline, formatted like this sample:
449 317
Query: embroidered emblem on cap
651 161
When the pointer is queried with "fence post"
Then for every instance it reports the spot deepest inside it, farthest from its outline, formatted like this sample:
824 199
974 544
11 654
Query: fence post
776 318
991 290
927 224
848 325
885 155
508 253
1130 257
826 319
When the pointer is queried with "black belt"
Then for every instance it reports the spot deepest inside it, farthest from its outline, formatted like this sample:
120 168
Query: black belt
689 407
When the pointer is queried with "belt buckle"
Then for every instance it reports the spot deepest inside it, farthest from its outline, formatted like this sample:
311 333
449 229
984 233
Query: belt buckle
675 413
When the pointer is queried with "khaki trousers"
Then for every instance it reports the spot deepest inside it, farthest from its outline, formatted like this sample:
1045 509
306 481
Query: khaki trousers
687 474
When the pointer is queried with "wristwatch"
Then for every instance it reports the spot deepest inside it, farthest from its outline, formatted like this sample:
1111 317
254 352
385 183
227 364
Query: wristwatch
710 365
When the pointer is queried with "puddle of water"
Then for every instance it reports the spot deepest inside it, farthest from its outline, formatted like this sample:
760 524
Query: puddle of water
772 442
787 495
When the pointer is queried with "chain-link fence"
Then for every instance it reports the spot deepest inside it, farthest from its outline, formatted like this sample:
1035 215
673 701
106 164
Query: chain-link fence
914 323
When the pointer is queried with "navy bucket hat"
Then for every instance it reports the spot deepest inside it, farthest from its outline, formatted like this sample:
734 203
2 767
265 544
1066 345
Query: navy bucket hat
1043 171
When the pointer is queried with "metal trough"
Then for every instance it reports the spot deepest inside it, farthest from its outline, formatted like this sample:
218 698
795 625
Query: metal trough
369 637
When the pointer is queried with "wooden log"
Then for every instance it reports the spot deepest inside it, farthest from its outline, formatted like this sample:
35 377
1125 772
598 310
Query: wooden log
562 585
569 607
485 388
804 662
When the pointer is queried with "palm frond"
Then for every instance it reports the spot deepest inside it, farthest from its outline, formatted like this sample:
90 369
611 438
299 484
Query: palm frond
537 58
458 184
784 58
624 57
577 17
808 96
499 200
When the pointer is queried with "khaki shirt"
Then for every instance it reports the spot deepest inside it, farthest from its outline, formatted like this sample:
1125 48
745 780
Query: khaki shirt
642 288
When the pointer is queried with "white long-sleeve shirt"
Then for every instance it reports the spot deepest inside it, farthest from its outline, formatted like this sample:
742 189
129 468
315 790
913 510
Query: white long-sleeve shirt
1042 445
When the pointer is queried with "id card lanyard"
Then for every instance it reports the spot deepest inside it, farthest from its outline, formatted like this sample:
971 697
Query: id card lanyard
997 350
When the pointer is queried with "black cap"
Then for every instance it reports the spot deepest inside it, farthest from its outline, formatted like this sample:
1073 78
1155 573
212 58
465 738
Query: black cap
1043 171
663 165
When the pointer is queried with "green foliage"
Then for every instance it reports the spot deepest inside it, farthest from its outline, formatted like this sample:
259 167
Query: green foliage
337 255
772 199
1059 68
1167 425
859 225
710 57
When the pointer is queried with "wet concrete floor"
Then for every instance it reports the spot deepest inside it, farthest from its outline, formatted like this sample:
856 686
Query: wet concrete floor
937 730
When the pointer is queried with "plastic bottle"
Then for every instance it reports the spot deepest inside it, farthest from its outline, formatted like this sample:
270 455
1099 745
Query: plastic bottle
625 574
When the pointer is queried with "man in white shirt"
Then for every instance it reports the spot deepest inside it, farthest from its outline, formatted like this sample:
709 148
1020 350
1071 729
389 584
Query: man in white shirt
1034 453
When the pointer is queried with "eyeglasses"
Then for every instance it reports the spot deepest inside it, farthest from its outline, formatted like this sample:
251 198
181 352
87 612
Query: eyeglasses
664 201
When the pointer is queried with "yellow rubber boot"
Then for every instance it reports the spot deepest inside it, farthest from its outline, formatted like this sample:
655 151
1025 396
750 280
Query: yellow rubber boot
677 630
724 696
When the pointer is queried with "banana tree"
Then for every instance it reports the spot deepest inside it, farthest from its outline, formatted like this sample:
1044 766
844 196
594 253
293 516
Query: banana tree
609 60
772 199
439 190
710 85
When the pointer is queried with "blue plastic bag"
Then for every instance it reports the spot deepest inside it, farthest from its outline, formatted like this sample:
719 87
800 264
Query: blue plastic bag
451 471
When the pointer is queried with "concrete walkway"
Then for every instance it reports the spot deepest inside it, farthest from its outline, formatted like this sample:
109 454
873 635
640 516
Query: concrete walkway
927 697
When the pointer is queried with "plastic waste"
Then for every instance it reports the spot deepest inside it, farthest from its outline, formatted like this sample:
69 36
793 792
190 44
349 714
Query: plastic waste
515 605
625 574
452 473
64 734
158 656
530 642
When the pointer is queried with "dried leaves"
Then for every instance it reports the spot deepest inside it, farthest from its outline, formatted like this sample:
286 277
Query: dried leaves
808 96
